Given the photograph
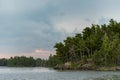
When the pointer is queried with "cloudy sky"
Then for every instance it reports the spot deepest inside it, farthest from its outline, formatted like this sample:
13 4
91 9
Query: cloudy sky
32 27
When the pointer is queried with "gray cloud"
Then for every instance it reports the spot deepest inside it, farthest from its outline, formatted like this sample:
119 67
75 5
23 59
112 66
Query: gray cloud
27 25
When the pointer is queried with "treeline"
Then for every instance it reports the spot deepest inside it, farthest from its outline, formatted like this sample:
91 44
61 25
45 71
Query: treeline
24 61
50 62
21 61
3 62
99 44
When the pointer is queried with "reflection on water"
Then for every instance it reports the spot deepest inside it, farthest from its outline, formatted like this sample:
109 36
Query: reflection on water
6 70
38 73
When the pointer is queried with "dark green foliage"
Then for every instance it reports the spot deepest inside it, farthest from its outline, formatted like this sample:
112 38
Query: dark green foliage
101 43
3 62
41 62
53 61
21 61
24 61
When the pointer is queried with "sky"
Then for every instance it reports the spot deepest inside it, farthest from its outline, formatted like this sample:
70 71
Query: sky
32 27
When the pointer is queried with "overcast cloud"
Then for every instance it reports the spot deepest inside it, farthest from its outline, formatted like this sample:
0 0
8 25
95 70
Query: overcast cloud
27 26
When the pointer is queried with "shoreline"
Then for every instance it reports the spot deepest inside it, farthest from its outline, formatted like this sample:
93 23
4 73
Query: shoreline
85 67
63 68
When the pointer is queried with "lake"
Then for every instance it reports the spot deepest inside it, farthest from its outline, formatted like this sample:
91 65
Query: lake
38 73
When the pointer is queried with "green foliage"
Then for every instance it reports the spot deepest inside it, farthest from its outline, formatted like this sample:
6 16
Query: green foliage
53 61
21 61
3 62
24 61
101 43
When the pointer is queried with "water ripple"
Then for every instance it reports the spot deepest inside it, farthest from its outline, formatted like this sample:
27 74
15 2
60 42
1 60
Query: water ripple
112 77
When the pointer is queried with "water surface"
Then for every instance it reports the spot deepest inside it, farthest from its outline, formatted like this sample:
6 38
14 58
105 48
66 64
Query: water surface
38 73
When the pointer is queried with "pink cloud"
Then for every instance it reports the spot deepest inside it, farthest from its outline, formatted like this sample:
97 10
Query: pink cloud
38 53
42 51
4 55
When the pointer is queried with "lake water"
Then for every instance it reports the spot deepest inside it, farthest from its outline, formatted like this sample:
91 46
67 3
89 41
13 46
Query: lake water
50 74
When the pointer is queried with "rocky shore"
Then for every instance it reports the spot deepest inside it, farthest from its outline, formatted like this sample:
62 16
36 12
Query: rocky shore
87 66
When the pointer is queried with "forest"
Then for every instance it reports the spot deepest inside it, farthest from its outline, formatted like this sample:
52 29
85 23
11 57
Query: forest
97 45
23 61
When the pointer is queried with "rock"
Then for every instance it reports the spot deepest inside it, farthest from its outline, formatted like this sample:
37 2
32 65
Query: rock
86 67
66 66
118 68
106 69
